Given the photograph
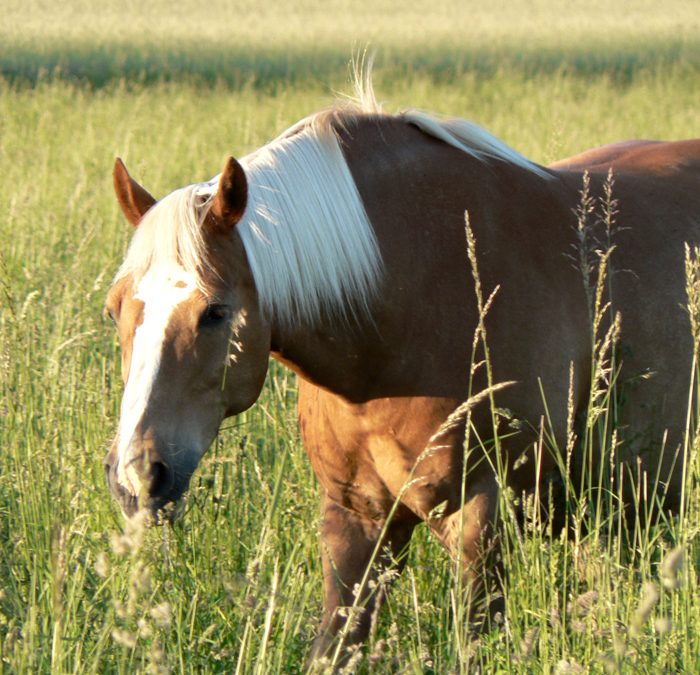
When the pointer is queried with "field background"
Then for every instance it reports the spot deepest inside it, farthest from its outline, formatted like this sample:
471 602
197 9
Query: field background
235 585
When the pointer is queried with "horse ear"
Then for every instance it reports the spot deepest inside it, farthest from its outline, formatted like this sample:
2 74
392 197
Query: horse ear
232 195
133 199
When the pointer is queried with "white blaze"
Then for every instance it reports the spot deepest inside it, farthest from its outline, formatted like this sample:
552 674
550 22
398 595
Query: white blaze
161 290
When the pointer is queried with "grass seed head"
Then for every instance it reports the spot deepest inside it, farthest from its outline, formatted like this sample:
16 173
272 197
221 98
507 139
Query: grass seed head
121 544
162 614
102 565
124 638
671 565
568 667
583 604
662 625
527 646
144 628
650 596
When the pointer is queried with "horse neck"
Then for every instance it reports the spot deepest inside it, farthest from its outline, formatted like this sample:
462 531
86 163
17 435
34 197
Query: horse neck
326 353
416 191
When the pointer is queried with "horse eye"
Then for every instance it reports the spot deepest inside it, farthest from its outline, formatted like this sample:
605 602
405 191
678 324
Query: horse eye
213 315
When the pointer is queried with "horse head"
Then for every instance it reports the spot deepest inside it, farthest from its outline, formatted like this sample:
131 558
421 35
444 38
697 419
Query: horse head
194 342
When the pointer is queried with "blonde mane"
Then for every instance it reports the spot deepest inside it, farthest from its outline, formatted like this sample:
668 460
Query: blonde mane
309 242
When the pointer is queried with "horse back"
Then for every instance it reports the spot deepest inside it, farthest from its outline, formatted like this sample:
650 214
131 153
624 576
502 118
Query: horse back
653 157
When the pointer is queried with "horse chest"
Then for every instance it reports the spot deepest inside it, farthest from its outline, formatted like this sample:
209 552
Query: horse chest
368 456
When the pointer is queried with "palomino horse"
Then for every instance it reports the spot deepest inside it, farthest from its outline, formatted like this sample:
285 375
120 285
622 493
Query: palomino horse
339 248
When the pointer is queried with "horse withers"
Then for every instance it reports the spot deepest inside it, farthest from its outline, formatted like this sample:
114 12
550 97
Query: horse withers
339 248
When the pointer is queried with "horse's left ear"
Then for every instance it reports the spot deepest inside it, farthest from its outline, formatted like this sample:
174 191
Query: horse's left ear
232 195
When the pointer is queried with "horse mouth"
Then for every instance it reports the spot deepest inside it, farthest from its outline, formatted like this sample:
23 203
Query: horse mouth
128 503
154 512
159 509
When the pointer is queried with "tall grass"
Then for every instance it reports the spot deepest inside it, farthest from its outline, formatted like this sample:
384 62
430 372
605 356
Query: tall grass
236 584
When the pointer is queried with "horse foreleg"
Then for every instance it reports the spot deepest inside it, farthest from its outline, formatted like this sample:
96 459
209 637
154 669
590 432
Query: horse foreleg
468 535
354 550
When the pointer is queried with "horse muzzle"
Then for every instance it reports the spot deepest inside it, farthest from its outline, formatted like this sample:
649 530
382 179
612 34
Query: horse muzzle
145 482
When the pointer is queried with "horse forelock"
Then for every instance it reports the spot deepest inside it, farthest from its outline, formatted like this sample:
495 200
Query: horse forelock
171 235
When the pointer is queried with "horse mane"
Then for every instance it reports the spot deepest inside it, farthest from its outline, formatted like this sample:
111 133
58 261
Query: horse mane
309 242
462 134
307 237
471 139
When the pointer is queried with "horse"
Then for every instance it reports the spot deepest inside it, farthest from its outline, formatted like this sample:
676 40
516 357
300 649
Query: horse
340 249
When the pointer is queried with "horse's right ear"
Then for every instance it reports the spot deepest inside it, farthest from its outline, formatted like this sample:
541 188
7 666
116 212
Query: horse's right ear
133 199
231 196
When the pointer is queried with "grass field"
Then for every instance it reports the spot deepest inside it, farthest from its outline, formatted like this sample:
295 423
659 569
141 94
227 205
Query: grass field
235 585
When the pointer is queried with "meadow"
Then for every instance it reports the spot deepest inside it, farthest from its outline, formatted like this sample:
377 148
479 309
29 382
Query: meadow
235 585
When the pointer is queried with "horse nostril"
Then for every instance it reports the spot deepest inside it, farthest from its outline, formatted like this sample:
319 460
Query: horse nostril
162 480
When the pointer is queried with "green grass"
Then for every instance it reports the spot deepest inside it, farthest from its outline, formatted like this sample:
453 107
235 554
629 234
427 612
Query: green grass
269 44
236 584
